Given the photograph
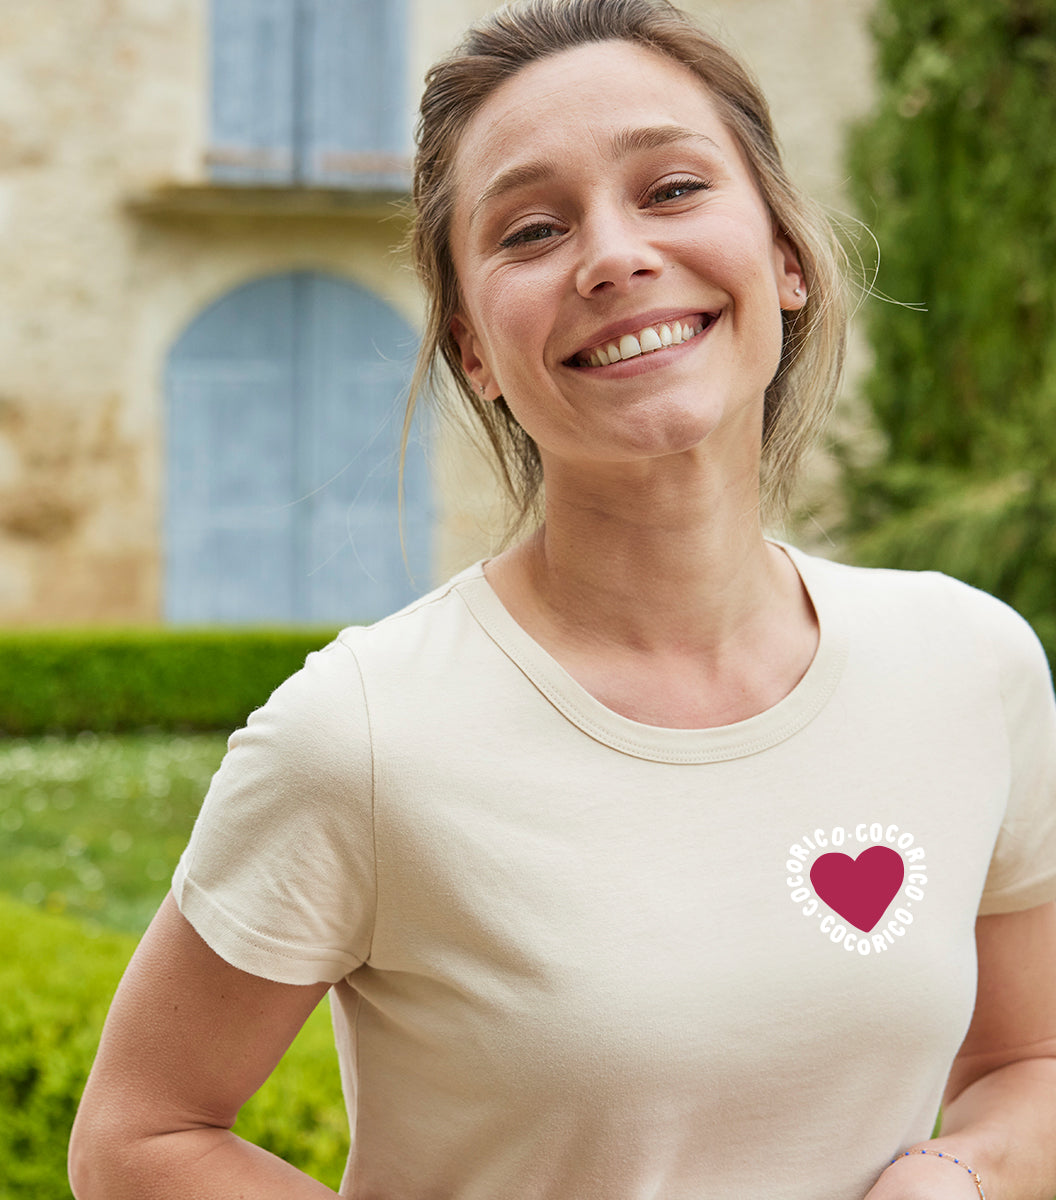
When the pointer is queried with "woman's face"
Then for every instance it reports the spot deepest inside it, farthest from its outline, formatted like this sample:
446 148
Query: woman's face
621 280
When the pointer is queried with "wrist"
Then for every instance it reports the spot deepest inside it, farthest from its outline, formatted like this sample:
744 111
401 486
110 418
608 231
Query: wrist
953 1161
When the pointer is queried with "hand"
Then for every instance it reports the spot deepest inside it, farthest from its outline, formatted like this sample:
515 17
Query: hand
924 1177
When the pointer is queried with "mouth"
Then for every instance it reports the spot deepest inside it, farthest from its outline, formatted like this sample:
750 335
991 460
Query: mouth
651 339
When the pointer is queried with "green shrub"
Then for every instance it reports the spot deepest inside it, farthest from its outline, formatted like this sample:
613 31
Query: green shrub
955 170
57 977
63 681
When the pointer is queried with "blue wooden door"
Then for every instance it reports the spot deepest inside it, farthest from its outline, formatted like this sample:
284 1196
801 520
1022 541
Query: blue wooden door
285 404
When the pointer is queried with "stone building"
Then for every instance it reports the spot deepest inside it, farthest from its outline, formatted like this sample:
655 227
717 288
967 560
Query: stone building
206 325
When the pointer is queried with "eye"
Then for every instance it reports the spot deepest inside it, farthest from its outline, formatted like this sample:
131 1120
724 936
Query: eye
537 232
677 189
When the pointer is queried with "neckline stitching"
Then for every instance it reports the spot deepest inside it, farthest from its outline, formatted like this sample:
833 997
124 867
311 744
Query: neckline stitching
728 741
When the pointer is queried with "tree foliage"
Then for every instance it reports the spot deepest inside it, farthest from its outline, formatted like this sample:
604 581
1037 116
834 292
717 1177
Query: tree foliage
955 171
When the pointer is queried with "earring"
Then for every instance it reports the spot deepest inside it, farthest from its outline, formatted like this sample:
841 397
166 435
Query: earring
798 291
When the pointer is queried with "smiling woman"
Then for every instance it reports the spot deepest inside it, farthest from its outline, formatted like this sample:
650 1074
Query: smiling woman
603 219
650 858
800 393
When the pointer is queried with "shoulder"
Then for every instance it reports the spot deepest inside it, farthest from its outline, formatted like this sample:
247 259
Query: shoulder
924 598
941 619
427 634
332 683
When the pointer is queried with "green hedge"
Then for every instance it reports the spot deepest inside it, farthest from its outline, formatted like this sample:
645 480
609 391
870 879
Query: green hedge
57 977
955 170
65 681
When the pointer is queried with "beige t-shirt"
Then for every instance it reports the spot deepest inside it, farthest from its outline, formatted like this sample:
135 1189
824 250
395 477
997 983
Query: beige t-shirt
579 958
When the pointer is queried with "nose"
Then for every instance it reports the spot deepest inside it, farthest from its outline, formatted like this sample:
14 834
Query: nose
616 253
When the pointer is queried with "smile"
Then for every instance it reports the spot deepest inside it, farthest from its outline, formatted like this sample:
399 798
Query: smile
645 341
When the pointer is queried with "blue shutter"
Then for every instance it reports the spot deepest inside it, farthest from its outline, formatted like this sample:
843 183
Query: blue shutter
284 417
253 101
355 122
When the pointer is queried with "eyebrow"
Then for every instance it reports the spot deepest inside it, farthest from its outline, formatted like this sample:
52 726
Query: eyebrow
624 142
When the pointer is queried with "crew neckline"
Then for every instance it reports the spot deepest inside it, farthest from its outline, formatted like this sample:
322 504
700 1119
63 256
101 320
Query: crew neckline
660 743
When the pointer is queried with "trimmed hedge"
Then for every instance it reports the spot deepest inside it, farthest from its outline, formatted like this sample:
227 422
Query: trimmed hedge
57 977
109 681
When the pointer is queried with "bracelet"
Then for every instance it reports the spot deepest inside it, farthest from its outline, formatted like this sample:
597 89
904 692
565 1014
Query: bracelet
950 1158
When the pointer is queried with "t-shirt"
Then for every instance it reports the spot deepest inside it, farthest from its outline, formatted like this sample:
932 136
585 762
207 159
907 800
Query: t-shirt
576 957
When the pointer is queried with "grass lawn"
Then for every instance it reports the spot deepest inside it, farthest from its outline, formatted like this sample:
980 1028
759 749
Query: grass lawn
91 828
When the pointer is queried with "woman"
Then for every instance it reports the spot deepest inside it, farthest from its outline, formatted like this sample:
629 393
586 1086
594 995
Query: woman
652 858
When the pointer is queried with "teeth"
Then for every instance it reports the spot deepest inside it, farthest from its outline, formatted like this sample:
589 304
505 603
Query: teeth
646 341
650 340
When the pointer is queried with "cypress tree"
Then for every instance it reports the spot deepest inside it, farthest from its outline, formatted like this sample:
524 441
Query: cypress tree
955 171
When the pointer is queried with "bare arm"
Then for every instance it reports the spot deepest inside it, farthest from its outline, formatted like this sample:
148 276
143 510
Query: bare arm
1000 1108
188 1040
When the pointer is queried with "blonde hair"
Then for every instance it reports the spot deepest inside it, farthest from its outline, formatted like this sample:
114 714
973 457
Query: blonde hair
800 396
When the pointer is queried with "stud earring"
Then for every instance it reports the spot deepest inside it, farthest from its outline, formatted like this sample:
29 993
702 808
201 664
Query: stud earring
798 291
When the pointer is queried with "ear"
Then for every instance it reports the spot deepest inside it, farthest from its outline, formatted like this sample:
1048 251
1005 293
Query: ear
473 361
791 284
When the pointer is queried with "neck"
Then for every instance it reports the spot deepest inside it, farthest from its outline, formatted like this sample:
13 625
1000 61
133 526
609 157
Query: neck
650 563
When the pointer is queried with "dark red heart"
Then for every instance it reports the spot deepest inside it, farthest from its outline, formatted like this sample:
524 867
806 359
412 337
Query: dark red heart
859 889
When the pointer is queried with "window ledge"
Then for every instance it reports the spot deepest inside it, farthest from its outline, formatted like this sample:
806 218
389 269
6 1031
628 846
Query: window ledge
208 199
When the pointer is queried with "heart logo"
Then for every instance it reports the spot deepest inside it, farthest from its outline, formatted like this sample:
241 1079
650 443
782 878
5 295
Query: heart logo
859 889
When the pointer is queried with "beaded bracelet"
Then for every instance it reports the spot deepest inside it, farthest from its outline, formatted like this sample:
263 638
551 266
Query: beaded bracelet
941 1154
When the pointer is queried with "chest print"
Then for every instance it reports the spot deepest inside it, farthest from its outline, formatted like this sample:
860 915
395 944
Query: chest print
859 885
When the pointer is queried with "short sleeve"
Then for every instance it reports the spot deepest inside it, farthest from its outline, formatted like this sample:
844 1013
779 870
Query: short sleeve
1023 867
278 877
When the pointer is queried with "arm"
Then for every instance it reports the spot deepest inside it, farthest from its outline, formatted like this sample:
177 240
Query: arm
188 1040
1000 1104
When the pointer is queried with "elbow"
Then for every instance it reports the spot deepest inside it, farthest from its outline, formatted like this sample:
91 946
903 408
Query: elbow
80 1160
98 1165
93 1150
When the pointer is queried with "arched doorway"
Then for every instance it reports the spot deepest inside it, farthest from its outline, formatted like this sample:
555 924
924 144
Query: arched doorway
284 411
